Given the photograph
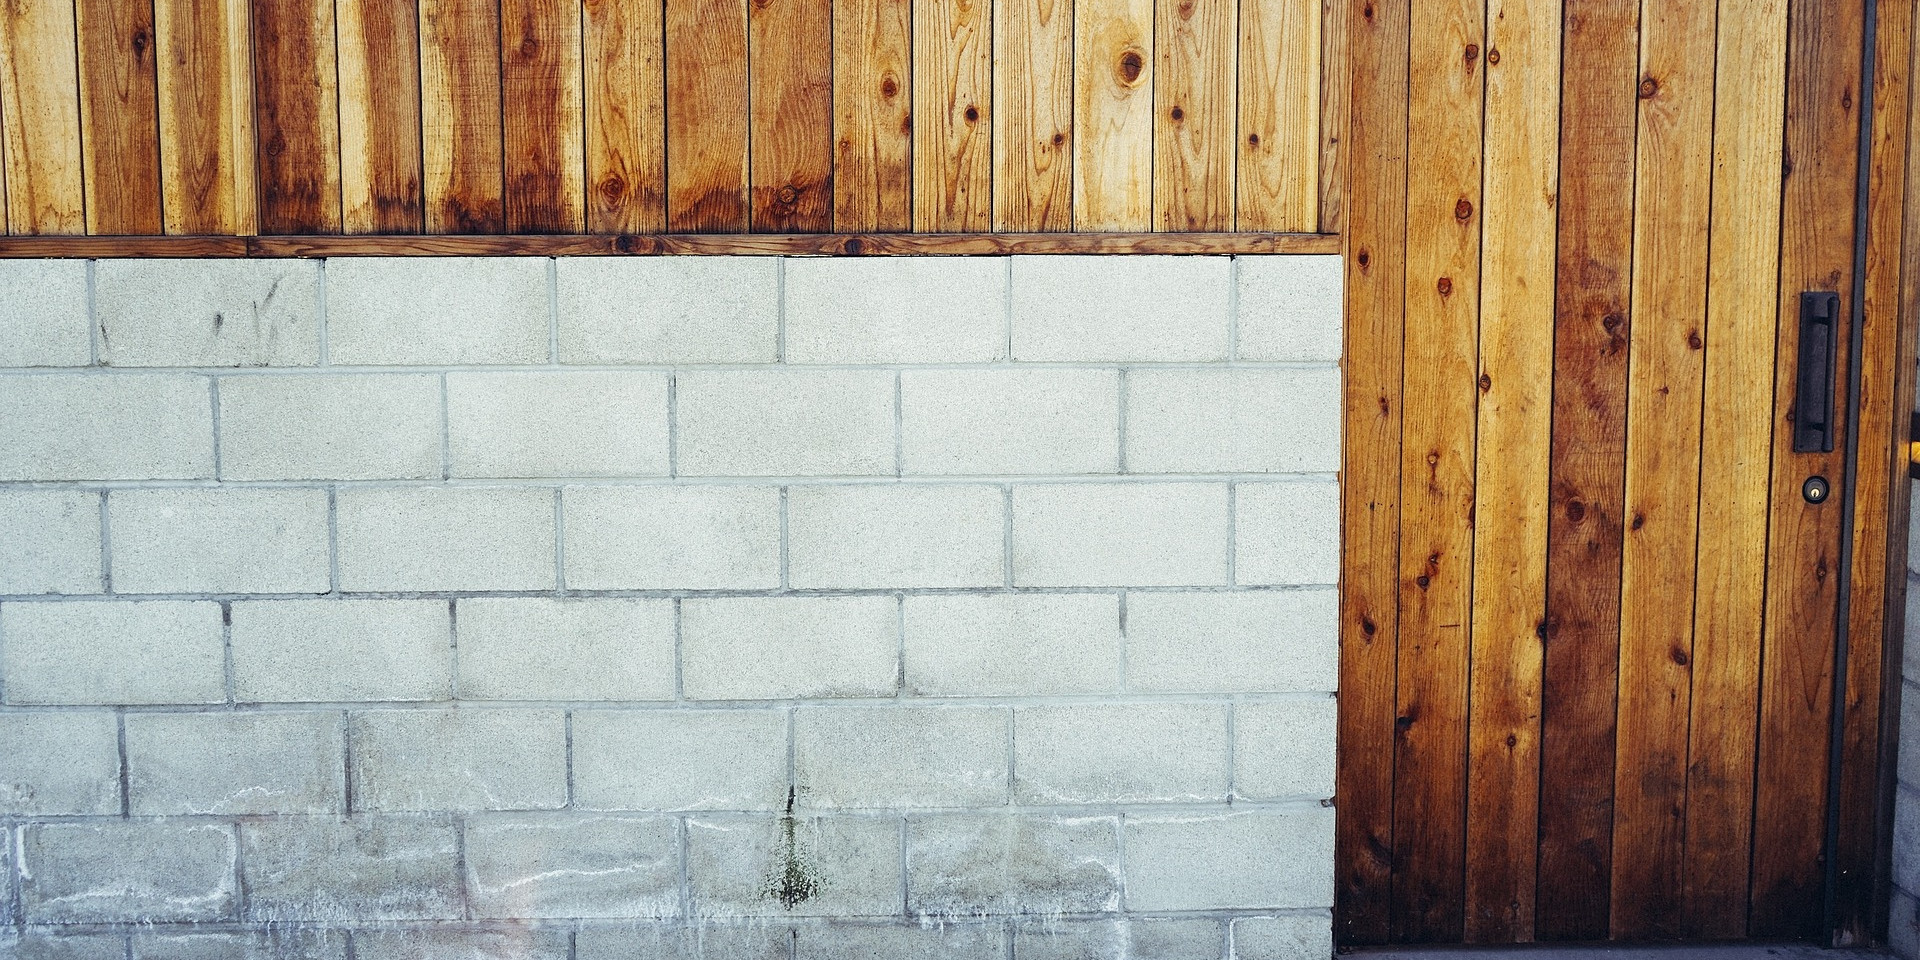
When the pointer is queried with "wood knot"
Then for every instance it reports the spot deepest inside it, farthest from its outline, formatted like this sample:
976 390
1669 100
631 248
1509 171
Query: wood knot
972 114
140 41
852 246
1363 258
529 46
1493 58
1131 65
1368 627
1445 286
1680 656
1423 581
1611 322
889 87
1486 383
787 195
1512 741
1576 511
1639 520
1463 210
1472 54
1693 340
1649 88
1367 12
1402 722
1253 139
1059 138
1177 114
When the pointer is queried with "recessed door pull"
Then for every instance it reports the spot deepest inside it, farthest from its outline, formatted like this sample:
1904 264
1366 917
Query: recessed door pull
1813 400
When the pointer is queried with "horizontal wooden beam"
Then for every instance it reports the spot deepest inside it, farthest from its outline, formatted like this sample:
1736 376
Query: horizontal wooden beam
825 244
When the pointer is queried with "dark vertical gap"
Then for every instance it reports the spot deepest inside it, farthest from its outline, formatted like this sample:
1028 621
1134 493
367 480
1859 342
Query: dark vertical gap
80 126
500 98
1406 183
1473 467
420 116
159 168
339 139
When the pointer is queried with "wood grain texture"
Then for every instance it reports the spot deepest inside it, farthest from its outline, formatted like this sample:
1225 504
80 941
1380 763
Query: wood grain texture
707 105
40 118
952 115
1193 94
119 116
544 129
1113 115
1336 65
461 143
1277 180
872 115
1033 95
379 61
625 106
297 109
207 161
791 45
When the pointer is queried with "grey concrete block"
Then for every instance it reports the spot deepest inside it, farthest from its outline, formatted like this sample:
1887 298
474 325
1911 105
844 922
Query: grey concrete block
281 943
1120 753
341 651
1012 644
557 424
43 314
357 870
1243 642
1136 534
897 756
896 310
1284 748
1121 308
1910 667
753 940
1903 929
944 941
1290 308
1909 761
680 759
1158 939
1233 421
235 763
492 942
359 426
777 648
65 762
745 866
154 426
207 313
53 943
1291 937
1906 834
122 871
433 760
785 423
540 648
672 537
668 309
147 651
568 866
1006 864
1009 421
219 541
445 538
1226 861
437 310
890 535
49 541
1287 533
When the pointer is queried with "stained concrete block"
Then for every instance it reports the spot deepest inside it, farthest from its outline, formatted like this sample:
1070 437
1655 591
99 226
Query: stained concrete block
120 871
59 763
1159 939
354 870
1291 937
941 941
1007 864
207 313
680 759
235 763
722 940
567 866
52 943
762 866
476 759
494 942
900 756
282 943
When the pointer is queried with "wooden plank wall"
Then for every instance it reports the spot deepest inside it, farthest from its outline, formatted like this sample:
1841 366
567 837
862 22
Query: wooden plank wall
568 117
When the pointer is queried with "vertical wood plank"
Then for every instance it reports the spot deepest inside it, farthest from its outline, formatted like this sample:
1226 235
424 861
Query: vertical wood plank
626 117
1277 179
296 103
1113 115
1336 64
791 48
379 62
1376 279
461 141
1437 493
544 128
952 116
1588 470
1515 434
1193 155
707 105
119 121
40 118
1033 115
1730 571
872 123
207 168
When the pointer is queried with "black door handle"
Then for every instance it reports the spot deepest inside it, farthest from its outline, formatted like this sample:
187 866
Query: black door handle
1813 400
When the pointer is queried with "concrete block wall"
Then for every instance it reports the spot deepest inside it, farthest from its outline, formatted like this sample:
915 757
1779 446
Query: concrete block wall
1904 922
699 607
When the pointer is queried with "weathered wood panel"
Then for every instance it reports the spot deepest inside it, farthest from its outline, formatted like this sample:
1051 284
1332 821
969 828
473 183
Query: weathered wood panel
208 176
707 122
379 61
952 115
1113 117
1278 173
461 140
872 115
40 117
119 116
544 135
1033 116
792 69
296 102
1194 79
625 102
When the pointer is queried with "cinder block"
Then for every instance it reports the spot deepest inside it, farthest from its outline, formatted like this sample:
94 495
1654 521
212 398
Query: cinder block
1009 421
59 763
148 426
1287 533
1136 534
235 763
672 537
1243 642
1120 753
680 759
856 757
1909 761
120 871
1161 939
219 541
1289 308
54 943
557 424
207 313
896 310
1006 864
360 426
570 867
668 309
435 310
341 651
777 648
279 943
1226 861
721 940
352 870
491 942
1233 421
445 538
539 648
939 941
1100 308
1903 930
1284 749
43 314
150 651
49 541
881 536
1906 832
430 760
786 422
762 866
1012 644
1910 668
1290 937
